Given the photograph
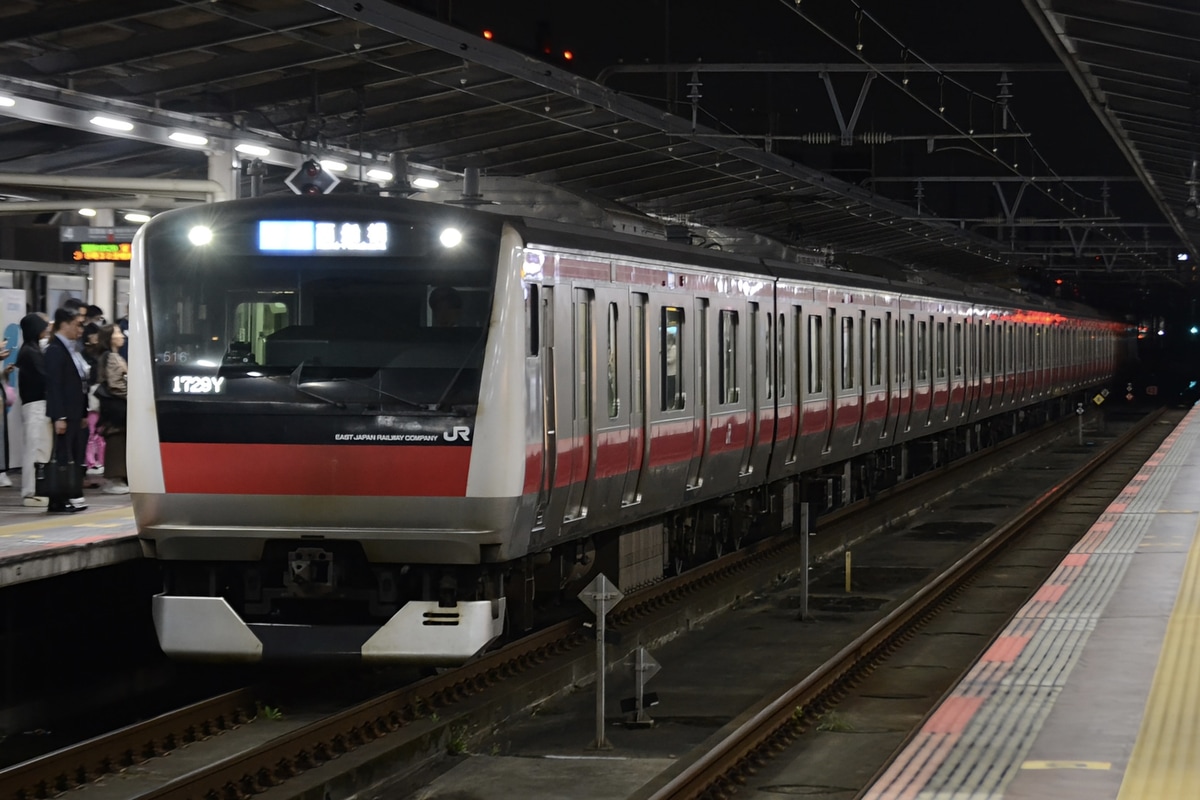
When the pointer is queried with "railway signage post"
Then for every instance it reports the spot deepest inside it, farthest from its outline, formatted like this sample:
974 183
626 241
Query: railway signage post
600 596
644 668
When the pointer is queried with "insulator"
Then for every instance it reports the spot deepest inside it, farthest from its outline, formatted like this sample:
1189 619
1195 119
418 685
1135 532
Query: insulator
819 138
875 137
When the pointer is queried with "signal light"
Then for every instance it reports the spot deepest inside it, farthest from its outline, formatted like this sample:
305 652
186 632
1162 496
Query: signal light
488 34
1058 281
310 179
568 55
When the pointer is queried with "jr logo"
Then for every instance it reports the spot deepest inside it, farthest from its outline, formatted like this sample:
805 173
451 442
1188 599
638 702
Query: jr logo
459 432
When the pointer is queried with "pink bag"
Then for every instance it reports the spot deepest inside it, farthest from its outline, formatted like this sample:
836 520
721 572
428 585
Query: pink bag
10 395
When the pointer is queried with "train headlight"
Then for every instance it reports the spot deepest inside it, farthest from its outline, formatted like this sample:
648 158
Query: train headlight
450 237
200 235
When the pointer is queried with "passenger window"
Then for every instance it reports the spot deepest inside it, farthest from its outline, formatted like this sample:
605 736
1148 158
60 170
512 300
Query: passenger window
922 351
727 374
583 356
816 347
876 351
671 348
848 352
774 363
532 318
958 350
614 402
939 350
781 359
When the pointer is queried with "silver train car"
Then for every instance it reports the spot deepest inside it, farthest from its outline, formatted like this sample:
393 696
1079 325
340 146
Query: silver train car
376 428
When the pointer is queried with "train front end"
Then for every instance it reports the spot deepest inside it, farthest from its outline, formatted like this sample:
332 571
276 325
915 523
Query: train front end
306 428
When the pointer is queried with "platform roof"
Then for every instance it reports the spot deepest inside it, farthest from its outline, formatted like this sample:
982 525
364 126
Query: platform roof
1012 143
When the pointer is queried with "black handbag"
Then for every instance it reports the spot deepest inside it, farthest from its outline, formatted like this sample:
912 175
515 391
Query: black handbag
59 480
113 408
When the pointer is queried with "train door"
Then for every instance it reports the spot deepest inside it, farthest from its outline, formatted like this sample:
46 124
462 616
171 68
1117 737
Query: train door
830 358
699 363
901 379
906 336
891 400
924 382
613 449
941 372
747 388
958 372
579 448
541 341
639 433
867 361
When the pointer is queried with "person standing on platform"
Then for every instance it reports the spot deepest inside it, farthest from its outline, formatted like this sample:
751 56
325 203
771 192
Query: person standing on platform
66 399
92 352
5 481
112 376
31 384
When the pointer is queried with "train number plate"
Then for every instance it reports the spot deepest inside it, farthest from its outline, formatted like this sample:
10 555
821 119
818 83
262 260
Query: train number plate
197 384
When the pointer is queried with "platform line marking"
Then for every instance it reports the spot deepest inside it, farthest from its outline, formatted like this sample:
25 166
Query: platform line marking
1163 762
1099 765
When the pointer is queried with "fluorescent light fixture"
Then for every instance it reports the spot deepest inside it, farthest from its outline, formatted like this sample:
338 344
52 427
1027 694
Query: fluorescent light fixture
253 150
137 216
333 166
6 101
184 137
87 212
379 175
112 123
425 183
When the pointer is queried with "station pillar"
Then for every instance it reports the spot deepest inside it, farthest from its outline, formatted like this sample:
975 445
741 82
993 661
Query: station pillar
222 169
100 273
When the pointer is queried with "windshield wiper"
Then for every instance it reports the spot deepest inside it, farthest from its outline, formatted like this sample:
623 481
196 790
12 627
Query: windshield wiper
383 393
458 372
294 382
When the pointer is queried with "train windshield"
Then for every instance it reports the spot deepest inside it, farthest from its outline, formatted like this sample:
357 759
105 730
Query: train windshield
354 307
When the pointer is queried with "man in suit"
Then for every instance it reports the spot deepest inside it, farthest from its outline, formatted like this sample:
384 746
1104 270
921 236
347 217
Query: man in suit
66 399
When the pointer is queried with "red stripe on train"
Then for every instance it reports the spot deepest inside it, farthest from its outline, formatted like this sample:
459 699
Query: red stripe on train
314 469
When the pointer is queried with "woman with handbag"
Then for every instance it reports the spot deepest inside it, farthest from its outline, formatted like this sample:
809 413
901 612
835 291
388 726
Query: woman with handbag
112 390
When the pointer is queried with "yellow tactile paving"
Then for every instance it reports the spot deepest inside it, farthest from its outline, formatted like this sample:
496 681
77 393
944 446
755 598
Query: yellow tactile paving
1166 757
87 519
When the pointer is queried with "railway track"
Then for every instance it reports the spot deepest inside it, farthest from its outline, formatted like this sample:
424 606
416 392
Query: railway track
768 730
425 711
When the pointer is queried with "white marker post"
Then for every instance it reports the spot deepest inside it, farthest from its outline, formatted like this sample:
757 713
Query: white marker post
600 596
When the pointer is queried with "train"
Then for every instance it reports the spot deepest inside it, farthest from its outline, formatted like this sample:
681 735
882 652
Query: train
380 428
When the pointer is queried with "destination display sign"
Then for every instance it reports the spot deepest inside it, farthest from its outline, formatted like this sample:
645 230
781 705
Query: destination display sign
101 251
295 236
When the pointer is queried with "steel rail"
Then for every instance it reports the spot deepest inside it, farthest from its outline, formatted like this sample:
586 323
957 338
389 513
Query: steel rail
773 723
78 764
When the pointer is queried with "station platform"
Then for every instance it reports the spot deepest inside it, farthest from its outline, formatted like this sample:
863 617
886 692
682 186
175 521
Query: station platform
1093 690
35 545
